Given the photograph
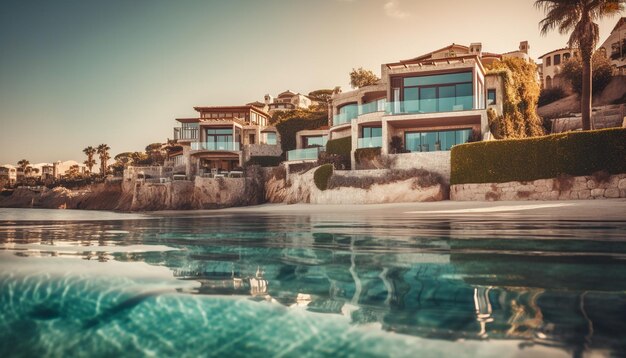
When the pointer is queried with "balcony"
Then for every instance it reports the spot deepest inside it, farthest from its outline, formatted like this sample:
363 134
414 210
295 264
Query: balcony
216 146
304 154
185 133
343 118
347 117
435 105
370 142
376 106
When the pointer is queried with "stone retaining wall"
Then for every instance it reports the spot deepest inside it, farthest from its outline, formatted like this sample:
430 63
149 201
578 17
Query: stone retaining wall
564 188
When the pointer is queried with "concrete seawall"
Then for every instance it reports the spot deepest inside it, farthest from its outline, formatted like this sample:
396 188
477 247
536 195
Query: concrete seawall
564 188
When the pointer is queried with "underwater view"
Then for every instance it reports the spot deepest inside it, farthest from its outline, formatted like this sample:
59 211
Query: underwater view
94 284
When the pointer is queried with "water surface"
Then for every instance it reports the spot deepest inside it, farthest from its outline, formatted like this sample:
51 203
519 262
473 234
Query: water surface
78 283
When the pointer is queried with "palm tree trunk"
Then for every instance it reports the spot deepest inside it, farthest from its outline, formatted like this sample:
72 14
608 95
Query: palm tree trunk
585 99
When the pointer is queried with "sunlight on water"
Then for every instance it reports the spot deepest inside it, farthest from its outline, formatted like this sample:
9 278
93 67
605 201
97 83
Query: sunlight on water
298 285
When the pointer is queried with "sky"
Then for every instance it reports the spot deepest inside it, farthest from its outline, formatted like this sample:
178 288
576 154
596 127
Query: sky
75 73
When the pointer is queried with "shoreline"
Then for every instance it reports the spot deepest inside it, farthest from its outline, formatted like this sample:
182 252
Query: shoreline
609 209
586 210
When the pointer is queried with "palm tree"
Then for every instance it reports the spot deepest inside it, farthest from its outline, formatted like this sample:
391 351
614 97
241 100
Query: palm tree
103 153
23 164
577 17
90 162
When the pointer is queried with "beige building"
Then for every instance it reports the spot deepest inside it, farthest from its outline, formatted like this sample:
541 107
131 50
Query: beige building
8 175
286 101
222 139
550 66
424 104
614 47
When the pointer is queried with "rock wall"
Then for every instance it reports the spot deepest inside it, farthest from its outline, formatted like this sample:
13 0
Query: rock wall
202 193
105 196
261 150
564 188
435 162
300 188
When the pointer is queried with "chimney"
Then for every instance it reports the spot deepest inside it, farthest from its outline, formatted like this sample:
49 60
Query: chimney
476 48
524 47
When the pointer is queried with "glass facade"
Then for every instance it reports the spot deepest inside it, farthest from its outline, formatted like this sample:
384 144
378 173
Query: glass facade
220 139
436 140
434 93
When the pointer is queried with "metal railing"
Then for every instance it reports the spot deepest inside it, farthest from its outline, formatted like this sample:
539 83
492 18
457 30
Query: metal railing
181 133
215 146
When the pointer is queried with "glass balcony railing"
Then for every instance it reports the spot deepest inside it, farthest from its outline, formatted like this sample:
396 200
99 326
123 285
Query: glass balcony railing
370 142
343 118
304 154
346 117
448 104
376 106
185 133
228 146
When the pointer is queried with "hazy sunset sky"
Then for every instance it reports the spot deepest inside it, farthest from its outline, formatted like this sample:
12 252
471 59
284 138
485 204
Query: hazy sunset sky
75 73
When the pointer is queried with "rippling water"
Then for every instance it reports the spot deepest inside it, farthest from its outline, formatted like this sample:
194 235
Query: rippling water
100 284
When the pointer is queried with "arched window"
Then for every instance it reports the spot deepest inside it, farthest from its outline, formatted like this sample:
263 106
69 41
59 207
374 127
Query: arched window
548 82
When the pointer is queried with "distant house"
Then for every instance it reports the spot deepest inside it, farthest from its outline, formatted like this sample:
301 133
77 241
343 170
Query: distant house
8 174
614 47
551 66
222 139
287 101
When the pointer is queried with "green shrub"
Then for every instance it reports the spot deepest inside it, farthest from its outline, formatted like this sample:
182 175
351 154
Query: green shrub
573 153
422 179
602 73
292 122
519 117
341 147
363 154
549 95
264 161
322 176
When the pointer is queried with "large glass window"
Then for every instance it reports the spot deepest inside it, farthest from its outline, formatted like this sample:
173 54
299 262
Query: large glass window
270 138
371 132
315 141
491 96
437 93
219 138
557 60
435 140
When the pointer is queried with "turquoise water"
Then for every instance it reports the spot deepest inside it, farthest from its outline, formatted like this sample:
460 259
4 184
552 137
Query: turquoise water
92 284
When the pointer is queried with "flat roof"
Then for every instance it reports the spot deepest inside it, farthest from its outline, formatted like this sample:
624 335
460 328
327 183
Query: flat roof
229 109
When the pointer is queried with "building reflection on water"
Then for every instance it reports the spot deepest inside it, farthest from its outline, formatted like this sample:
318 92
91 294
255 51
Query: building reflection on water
445 282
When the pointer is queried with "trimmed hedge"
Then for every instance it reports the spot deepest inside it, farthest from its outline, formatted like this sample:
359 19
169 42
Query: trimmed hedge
573 153
322 176
341 147
265 161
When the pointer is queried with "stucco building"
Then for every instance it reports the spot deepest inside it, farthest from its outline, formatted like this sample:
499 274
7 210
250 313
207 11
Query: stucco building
424 104
614 47
221 139
550 66
286 101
